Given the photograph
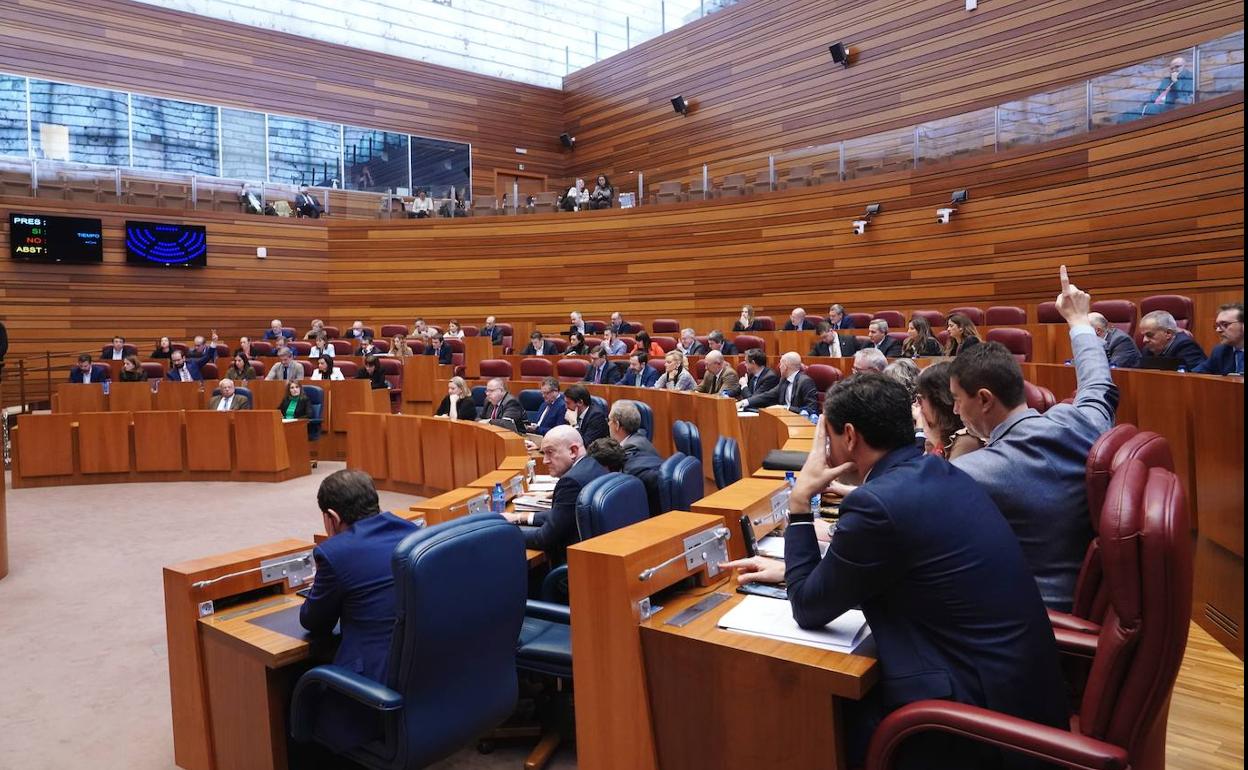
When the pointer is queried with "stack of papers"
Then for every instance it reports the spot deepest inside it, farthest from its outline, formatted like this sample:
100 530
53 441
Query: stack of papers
773 618
543 484
529 503
773 546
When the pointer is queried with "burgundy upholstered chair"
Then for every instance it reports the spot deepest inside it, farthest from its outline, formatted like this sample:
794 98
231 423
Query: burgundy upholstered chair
746 342
1017 341
330 331
667 343
859 320
824 376
975 314
765 323
664 326
571 369
1175 304
299 348
934 317
497 367
595 327
1046 313
341 347
1005 315
536 368
1146 550
389 330
209 371
893 318
348 368
155 370
1038 397
1120 312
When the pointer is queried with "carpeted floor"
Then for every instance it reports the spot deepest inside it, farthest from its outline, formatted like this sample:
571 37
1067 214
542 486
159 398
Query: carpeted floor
82 629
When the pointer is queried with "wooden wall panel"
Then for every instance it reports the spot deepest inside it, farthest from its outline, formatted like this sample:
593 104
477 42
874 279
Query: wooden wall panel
139 47
762 81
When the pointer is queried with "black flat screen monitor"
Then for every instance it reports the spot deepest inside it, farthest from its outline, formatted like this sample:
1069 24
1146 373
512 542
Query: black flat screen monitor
40 238
162 244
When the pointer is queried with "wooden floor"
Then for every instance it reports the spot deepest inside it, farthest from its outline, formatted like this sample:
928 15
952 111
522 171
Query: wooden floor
1207 711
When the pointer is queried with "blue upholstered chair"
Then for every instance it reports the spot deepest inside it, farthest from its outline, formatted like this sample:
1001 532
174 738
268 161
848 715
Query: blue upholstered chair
687 438
452 669
680 482
316 410
647 419
532 402
602 402
478 397
726 462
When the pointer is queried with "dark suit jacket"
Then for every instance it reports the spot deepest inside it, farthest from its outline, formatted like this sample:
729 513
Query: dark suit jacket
1121 349
547 350
465 408
807 325
849 346
1184 348
509 408
610 375
272 336
550 416
495 334
1221 361
99 373
764 381
649 376
805 395
301 406
377 380
445 355
929 347
697 349
307 205
951 603
642 460
728 349
619 328
106 354
844 323
890 347
354 586
558 526
190 365
592 423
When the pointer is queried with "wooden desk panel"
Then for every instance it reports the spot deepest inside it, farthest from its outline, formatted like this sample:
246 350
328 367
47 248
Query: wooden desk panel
104 442
172 396
44 445
420 394
266 394
435 452
1218 458
749 496
130 397
208 440
442 508
366 443
476 350
158 442
259 441
403 452
461 452
74 398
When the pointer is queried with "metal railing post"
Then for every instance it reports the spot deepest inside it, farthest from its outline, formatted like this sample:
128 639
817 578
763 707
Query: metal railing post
771 172
706 181
21 385
641 187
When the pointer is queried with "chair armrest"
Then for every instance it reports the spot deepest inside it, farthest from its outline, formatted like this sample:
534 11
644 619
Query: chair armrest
555 585
1076 643
555 613
1073 622
303 704
992 727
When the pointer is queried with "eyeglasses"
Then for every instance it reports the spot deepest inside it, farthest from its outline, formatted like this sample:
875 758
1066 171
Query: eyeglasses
1220 325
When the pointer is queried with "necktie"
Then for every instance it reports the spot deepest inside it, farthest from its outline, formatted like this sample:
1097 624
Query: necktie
1239 361
836 346
186 375
496 406
285 372
788 394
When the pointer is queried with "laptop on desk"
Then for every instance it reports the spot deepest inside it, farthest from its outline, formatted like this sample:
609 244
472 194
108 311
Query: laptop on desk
1163 363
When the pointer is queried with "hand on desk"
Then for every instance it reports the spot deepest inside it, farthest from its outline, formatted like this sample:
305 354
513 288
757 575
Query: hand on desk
757 569
516 518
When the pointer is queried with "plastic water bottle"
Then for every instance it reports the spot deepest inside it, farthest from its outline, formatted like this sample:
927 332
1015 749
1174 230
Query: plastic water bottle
790 478
1180 370
106 383
498 500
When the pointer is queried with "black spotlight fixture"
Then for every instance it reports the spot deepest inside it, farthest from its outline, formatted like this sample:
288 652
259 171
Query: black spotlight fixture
840 54
872 209
567 140
680 105
959 196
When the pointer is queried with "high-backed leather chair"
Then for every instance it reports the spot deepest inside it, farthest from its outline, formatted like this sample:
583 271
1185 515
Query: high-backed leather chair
1046 313
893 318
154 370
1119 312
496 367
1038 397
1017 341
859 320
289 332
699 369
209 371
726 462
1121 721
262 348
348 368
558 344
765 323
664 326
746 342
824 376
687 438
680 482
416 346
341 347
389 330
316 410
975 315
595 327
383 345
536 368
330 331
647 418
571 369
532 401
451 673
668 344
934 317
1175 304
1005 315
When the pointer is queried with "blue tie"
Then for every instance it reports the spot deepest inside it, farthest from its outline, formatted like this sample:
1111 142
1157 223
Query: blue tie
1239 362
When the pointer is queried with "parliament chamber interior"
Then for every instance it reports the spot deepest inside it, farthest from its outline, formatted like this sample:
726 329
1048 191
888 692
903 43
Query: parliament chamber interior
307 311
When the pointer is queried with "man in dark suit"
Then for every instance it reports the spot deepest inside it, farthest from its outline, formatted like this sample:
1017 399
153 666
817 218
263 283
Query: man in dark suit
641 459
877 332
354 587
950 601
555 530
838 318
86 372
438 347
591 417
832 344
276 333
1227 357
493 331
797 321
306 204
1163 338
618 324
553 410
689 344
538 346
501 405
181 369
715 341
640 374
759 378
1119 347
201 352
795 391
115 351
601 370
577 325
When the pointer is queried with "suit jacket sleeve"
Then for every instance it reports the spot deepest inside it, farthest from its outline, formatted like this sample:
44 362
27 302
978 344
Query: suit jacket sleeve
1190 354
323 607
1123 353
444 408
862 561
559 524
1097 395
768 397
594 427
466 408
807 396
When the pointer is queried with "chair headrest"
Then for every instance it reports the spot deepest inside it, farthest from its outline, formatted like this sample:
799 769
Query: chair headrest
610 502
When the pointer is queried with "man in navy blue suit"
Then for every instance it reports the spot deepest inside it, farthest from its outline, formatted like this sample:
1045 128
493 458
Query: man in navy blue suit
640 374
877 332
182 369
937 571
438 347
1227 357
602 370
87 372
838 318
1163 338
553 411
555 530
493 331
591 417
354 587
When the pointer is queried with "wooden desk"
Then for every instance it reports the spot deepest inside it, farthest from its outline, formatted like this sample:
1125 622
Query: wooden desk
131 397
173 396
749 496
74 398
342 397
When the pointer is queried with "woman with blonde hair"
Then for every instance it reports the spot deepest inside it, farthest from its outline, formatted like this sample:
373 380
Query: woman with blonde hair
457 403
677 376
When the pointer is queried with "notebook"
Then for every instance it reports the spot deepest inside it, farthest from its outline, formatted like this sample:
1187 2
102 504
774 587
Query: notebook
773 618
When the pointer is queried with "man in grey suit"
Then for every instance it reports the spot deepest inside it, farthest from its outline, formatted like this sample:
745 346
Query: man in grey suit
641 458
1034 466
1119 347
286 368
501 405
227 399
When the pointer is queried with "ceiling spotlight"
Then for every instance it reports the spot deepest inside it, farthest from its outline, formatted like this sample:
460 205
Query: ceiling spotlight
840 54
567 140
680 105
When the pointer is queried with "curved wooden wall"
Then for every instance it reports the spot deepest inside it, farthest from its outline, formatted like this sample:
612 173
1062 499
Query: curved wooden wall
762 80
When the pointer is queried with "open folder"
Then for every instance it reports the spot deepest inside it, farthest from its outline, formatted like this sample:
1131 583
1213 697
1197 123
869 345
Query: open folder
773 618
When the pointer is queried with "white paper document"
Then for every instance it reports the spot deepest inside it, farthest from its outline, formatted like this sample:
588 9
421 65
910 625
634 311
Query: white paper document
773 618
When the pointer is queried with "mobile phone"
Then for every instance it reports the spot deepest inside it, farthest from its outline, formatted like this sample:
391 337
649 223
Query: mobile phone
764 589
304 592
747 536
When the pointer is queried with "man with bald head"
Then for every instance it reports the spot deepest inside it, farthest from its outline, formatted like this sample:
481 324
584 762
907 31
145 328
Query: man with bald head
798 322
1119 347
1164 339
501 405
227 398
719 377
566 460
795 391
